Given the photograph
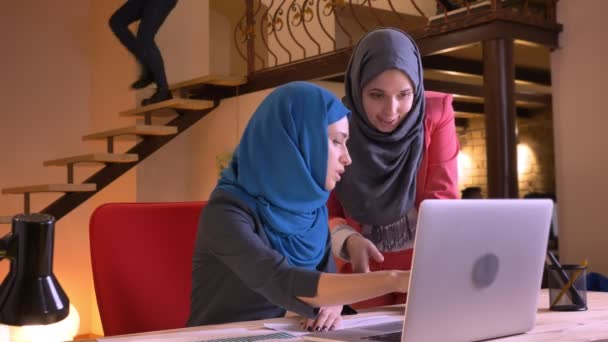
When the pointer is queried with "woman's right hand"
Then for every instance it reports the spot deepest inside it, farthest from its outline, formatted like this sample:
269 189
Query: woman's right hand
360 250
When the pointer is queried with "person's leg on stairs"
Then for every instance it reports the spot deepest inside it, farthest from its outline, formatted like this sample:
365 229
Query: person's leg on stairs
119 22
154 15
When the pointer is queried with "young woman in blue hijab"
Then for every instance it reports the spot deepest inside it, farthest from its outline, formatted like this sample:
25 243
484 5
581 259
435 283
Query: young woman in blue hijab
263 245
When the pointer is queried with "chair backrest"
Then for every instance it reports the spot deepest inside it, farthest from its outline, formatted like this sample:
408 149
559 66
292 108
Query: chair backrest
141 256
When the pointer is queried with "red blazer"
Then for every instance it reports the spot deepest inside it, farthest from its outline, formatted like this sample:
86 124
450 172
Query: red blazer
438 174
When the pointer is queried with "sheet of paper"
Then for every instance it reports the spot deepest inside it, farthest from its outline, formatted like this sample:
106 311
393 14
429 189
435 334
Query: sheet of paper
295 330
219 335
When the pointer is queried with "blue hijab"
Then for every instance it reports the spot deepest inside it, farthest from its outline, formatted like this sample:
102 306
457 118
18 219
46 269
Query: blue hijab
280 165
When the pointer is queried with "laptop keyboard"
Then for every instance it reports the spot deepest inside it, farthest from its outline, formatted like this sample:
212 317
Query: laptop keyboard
390 337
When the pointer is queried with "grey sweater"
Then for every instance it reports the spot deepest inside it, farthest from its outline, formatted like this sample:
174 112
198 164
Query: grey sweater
238 276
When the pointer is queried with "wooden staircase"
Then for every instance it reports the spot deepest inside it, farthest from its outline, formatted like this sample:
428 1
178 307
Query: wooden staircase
496 31
182 111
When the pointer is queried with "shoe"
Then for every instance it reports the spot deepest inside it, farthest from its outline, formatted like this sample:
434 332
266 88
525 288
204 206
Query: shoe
142 82
145 78
159 96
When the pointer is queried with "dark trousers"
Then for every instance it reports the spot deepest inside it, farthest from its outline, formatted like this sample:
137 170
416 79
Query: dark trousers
152 14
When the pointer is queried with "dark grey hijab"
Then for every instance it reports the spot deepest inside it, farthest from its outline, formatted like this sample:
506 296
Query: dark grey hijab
380 186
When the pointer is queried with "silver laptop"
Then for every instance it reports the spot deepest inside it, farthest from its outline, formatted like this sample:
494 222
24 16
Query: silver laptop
476 273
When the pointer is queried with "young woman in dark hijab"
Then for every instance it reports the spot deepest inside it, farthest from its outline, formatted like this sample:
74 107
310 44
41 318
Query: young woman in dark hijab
404 148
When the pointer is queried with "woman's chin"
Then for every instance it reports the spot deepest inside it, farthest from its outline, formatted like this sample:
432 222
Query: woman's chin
385 127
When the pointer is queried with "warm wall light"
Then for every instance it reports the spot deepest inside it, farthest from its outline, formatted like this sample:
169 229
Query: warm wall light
525 159
464 165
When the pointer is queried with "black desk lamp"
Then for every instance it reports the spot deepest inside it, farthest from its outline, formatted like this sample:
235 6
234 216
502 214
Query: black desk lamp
30 294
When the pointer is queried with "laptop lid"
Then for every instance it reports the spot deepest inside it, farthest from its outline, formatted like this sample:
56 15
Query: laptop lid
477 269
476 273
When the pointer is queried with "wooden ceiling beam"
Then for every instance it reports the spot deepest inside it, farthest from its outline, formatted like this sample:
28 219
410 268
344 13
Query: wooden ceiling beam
482 27
478 108
474 67
477 91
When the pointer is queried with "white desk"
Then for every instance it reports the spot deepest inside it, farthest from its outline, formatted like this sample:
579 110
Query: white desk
590 325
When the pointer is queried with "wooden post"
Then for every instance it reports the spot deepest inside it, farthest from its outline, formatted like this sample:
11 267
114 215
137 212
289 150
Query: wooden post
250 29
26 203
551 10
70 173
499 108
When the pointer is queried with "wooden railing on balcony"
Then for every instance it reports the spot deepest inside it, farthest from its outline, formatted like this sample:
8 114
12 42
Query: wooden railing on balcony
271 33
287 40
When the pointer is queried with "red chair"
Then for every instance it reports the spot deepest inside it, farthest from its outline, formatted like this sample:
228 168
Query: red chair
141 256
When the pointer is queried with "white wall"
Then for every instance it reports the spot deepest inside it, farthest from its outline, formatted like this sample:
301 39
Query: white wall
64 76
579 74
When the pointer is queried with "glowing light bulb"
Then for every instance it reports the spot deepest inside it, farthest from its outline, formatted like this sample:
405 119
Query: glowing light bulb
64 330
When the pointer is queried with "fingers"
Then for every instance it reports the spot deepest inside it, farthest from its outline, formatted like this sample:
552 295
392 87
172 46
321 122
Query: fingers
323 319
357 250
307 324
353 246
360 261
328 319
370 252
361 265
374 253
332 322
336 324
361 250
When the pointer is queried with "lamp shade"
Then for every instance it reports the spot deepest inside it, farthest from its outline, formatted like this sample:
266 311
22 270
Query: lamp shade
30 294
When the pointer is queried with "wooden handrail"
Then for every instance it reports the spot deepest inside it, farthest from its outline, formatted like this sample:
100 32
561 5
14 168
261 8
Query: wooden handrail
354 18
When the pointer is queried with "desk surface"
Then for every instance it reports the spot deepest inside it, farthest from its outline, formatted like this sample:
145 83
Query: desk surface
590 325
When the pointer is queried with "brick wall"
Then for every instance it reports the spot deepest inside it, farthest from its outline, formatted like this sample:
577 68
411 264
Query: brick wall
536 170
472 166
537 134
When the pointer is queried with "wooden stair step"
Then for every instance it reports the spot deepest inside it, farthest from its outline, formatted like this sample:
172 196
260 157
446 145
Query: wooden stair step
85 187
133 130
220 80
6 219
177 103
94 158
